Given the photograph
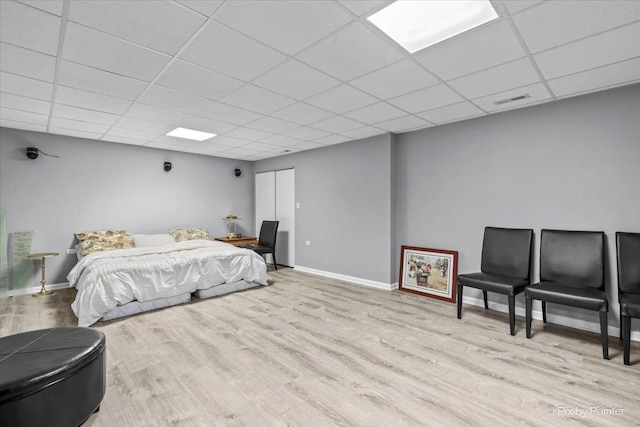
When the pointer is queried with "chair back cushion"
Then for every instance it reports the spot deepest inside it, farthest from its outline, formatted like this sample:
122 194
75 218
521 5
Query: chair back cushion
574 258
268 233
507 251
628 250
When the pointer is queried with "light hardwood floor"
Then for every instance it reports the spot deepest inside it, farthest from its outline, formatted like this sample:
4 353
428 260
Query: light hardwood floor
310 351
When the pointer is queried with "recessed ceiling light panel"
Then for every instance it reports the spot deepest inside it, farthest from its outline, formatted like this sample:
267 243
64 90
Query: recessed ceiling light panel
195 135
415 25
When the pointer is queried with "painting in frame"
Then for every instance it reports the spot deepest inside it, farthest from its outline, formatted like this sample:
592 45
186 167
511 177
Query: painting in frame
429 272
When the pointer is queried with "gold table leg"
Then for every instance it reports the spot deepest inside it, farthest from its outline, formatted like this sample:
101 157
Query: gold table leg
43 291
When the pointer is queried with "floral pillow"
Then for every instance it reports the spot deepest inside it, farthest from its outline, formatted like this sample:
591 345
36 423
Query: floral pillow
98 241
182 234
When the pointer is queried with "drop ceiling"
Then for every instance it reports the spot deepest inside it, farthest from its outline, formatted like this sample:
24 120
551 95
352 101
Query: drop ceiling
276 77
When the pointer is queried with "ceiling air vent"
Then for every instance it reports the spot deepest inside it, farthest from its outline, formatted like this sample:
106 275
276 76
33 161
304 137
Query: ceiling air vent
514 99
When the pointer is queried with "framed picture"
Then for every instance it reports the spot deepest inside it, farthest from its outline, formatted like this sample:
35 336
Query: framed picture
430 272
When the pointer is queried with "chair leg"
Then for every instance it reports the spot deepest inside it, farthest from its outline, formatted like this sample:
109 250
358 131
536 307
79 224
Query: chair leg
604 333
459 302
512 314
528 303
621 337
626 338
544 312
275 264
486 303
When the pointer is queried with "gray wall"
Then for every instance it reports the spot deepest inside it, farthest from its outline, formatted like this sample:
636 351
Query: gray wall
573 164
100 185
346 207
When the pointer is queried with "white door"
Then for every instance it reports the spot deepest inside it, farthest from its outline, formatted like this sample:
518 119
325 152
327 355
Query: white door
265 198
286 214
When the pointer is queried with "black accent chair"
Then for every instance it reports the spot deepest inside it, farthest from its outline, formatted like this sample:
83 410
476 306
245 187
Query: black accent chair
505 267
571 273
267 240
628 251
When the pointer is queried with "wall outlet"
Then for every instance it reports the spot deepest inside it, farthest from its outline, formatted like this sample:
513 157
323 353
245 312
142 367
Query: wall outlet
71 251
308 242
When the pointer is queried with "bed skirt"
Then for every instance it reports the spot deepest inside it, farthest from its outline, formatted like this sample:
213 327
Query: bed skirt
224 288
135 307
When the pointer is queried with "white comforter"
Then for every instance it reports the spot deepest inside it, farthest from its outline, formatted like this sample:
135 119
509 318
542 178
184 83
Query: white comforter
107 279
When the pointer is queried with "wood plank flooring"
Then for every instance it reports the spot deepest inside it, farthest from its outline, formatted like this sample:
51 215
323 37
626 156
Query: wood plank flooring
311 351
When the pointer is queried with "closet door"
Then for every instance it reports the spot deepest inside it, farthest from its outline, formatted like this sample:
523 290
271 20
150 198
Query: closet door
265 198
286 214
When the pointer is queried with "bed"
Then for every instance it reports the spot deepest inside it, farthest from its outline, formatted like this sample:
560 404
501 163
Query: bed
122 282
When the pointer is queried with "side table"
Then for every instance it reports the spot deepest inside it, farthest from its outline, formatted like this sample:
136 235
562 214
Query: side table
44 256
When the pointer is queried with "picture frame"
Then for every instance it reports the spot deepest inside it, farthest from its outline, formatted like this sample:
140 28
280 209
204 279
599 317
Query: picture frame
429 272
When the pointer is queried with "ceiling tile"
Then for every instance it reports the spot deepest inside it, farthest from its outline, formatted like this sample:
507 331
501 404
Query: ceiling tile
122 140
232 53
515 6
554 23
22 125
229 114
302 113
51 6
426 99
144 125
597 78
497 79
257 99
156 114
61 123
12 83
21 103
26 62
376 113
260 146
332 139
207 149
273 125
283 141
341 99
196 80
207 125
248 134
288 26
84 115
404 124
612 46
173 144
537 92
306 133
296 80
173 100
473 51
363 132
351 52
395 80
132 134
450 113
90 100
337 124
93 80
75 133
361 7
206 8
27 27
99 50
23 116
306 145
241 151
228 141
165 26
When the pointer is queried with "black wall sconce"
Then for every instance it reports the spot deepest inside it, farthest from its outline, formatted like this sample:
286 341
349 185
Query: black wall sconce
33 153
238 172
167 166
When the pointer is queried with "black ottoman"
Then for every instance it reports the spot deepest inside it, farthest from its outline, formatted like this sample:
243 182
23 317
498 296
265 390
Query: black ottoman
51 377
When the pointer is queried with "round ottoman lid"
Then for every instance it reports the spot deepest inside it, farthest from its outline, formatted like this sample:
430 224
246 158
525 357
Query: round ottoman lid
31 359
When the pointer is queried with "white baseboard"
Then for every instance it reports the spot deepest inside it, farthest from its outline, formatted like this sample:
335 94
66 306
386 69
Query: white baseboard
36 289
614 331
358 280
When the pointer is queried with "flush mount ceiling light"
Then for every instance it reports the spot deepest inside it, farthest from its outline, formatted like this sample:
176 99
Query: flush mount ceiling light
415 25
195 135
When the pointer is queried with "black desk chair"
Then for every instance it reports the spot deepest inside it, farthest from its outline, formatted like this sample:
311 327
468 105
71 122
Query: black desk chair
628 251
267 240
571 273
505 267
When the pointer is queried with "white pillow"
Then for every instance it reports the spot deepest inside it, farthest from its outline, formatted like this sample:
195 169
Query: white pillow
150 240
79 251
